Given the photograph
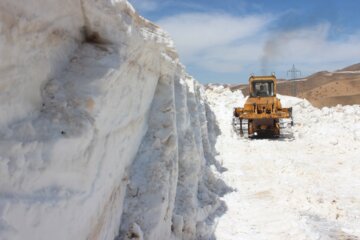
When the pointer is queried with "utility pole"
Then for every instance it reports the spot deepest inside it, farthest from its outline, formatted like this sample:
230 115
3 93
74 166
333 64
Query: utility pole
294 73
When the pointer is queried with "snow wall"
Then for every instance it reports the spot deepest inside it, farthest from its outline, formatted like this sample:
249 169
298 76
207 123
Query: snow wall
103 134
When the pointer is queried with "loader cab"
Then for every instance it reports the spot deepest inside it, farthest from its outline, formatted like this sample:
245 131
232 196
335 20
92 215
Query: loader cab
262 86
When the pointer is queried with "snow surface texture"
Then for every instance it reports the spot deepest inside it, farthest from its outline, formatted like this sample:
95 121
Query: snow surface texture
303 186
100 127
171 168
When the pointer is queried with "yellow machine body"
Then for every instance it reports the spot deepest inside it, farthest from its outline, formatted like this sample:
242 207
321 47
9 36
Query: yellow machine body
262 109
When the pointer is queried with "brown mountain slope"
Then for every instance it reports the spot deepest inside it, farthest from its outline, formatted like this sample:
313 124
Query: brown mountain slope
355 67
323 88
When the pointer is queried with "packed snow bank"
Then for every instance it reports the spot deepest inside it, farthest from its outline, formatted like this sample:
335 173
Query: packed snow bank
36 38
171 184
97 119
303 186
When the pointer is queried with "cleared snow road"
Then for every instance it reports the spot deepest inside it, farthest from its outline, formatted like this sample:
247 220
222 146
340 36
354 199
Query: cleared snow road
302 187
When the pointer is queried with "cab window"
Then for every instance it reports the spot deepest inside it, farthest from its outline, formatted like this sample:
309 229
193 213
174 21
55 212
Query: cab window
263 89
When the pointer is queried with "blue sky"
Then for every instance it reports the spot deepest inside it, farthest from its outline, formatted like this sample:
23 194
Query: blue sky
226 41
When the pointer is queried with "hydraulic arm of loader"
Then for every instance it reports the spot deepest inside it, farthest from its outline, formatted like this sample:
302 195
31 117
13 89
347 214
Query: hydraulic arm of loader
241 114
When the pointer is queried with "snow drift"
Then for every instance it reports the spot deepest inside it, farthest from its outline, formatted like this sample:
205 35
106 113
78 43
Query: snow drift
100 127
302 186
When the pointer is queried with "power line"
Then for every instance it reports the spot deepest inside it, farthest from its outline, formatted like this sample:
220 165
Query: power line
295 73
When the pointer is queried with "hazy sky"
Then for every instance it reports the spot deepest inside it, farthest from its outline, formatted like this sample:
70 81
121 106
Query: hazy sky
225 41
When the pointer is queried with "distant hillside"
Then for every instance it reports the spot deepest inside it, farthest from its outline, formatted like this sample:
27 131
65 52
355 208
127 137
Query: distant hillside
322 88
355 67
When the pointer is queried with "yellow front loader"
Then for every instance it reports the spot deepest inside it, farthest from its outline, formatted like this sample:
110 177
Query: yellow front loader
262 111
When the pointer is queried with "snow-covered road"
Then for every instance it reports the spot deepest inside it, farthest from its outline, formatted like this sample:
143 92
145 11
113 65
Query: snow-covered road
305 186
